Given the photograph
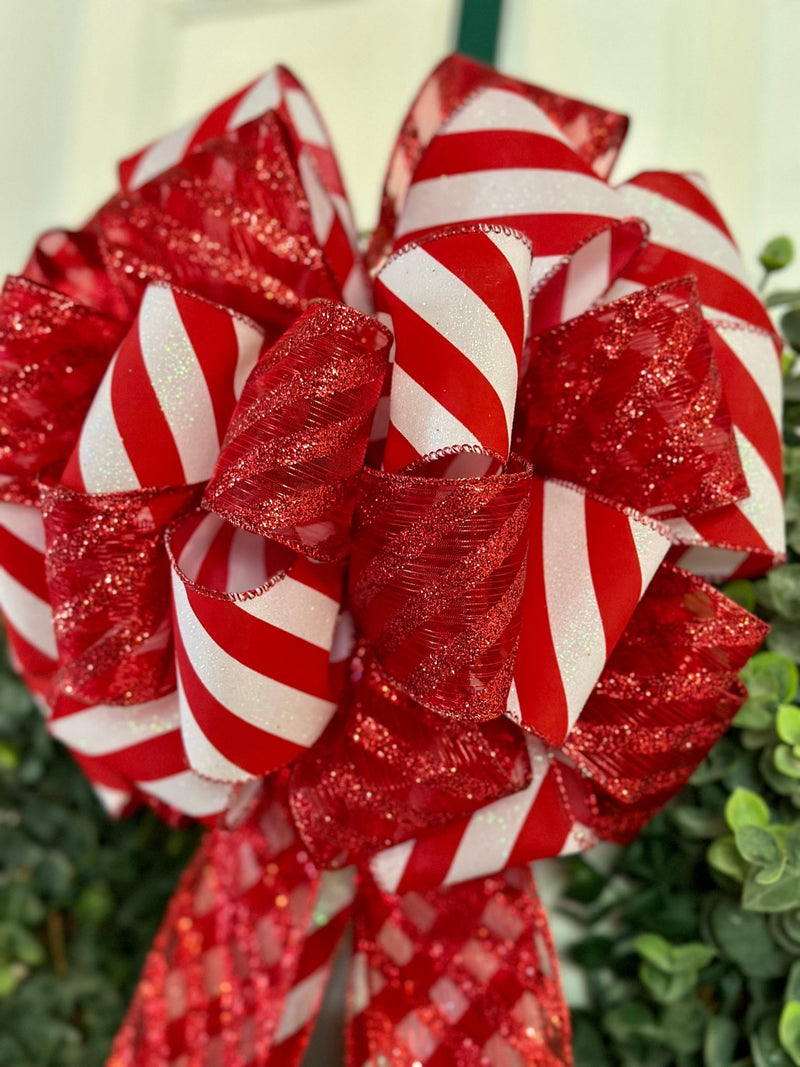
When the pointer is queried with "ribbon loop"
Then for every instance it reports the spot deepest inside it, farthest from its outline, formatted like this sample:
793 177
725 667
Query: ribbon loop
108 580
387 769
643 420
436 581
253 627
295 446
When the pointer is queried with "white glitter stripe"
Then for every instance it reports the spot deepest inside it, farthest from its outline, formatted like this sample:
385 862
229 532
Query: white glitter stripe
319 202
265 703
178 382
265 95
498 109
249 340
26 524
506 192
105 728
676 227
300 1003
756 353
764 506
104 462
113 800
450 307
421 419
493 830
31 617
164 153
203 756
305 119
190 793
389 865
587 275
651 548
572 609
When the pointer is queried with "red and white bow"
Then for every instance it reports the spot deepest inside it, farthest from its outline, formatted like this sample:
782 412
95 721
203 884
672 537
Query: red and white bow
392 568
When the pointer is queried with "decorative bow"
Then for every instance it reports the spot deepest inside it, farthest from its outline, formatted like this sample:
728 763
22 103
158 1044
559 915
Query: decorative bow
390 568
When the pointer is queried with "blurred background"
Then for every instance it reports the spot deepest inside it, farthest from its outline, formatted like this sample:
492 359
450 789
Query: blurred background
711 85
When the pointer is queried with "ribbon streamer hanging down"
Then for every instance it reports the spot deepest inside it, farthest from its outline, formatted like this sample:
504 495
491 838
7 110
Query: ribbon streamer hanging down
391 568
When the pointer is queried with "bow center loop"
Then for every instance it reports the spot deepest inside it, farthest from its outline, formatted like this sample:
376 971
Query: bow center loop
436 583
291 459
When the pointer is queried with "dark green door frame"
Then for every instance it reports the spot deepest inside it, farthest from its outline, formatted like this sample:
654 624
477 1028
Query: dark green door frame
478 28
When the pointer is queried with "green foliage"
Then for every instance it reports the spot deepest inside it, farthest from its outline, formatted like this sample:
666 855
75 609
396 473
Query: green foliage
692 940
80 897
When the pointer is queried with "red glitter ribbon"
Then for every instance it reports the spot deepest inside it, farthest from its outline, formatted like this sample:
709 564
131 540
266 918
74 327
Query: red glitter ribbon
387 607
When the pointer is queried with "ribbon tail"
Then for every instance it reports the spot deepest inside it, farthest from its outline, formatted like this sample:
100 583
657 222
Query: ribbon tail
464 975
238 968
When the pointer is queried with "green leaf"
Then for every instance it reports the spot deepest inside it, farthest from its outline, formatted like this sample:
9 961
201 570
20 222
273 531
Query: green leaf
787 723
758 845
685 1025
722 1035
790 327
584 883
666 988
777 254
792 991
631 1020
777 896
786 762
769 676
765 1043
655 949
746 808
789 1030
784 638
743 937
754 715
782 296
593 952
724 856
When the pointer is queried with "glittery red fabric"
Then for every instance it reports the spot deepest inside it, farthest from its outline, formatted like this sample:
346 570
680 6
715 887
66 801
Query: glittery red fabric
458 977
108 579
679 659
53 353
387 769
215 982
436 582
627 401
290 464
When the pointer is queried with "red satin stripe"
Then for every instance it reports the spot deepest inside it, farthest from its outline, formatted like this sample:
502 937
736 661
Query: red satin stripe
249 747
23 563
614 564
477 150
153 455
255 643
538 678
749 407
681 190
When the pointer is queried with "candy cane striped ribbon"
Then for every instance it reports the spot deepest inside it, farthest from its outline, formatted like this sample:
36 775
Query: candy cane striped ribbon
536 822
161 411
588 565
595 134
24 595
140 743
458 308
500 159
253 626
278 90
688 236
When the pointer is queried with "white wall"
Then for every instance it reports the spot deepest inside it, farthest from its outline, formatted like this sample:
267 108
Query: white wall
712 85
